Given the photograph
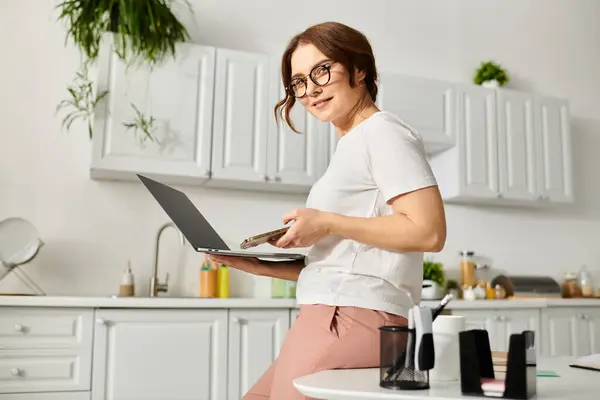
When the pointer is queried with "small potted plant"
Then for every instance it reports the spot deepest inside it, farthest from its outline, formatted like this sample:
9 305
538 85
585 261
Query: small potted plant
433 280
491 75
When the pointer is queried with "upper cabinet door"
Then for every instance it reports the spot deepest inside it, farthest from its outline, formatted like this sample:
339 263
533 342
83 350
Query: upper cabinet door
177 95
477 142
427 105
241 116
554 149
295 158
516 144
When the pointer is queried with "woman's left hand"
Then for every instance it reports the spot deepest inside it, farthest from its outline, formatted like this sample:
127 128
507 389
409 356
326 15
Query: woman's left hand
309 227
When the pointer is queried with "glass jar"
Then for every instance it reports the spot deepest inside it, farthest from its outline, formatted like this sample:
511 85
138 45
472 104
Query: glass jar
586 285
467 268
480 292
569 286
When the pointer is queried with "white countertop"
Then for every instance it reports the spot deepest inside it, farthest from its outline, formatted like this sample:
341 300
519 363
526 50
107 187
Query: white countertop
363 384
143 302
248 302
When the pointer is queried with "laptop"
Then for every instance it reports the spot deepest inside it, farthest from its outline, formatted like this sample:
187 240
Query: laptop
196 229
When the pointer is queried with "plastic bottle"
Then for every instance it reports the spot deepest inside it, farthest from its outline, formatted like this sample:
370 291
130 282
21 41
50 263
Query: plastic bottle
290 289
277 288
208 281
223 282
127 287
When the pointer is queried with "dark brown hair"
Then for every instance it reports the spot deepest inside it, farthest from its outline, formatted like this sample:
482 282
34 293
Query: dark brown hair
339 43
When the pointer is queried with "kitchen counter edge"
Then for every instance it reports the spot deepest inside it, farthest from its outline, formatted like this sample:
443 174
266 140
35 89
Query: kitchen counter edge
253 302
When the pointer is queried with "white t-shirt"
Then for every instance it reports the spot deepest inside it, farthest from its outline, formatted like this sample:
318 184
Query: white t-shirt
375 161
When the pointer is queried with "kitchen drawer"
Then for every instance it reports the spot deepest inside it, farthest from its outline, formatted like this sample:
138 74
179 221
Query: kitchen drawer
50 370
26 327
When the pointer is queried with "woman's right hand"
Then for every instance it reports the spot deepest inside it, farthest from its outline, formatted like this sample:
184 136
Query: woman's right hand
247 264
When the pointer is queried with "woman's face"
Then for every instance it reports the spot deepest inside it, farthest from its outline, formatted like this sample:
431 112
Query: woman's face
332 100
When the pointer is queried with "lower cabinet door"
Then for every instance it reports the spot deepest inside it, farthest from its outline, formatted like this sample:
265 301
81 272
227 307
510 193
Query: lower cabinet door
160 354
255 338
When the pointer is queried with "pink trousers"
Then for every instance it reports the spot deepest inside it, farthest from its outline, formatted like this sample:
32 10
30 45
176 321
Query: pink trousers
323 337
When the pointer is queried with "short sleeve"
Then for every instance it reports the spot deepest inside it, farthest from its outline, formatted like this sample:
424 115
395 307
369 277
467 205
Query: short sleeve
397 159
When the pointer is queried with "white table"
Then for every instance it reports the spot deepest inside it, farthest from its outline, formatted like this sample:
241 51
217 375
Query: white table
573 384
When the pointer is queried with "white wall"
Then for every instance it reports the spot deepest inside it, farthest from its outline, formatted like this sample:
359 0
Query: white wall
92 228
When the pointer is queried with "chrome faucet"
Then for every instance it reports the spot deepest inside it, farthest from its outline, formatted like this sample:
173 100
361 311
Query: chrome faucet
155 285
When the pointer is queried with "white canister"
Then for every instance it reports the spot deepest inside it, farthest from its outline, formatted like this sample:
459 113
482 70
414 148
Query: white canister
445 331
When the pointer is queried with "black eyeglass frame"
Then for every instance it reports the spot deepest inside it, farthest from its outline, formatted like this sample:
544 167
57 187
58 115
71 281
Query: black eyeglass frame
326 65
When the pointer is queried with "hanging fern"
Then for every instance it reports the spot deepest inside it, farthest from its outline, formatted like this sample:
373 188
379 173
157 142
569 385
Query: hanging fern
145 29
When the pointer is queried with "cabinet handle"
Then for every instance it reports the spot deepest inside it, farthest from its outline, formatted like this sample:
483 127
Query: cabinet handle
19 328
277 179
101 321
15 372
585 316
267 179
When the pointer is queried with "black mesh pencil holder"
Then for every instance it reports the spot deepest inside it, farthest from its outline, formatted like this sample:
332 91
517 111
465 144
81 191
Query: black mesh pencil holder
397 360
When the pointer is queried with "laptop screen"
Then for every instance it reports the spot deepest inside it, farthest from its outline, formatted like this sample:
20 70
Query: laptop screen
196 229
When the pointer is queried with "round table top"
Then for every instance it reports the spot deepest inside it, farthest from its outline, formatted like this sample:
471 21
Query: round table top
347 384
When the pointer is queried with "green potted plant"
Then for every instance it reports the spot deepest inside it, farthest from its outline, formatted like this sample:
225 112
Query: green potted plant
142 31
433 280
490 74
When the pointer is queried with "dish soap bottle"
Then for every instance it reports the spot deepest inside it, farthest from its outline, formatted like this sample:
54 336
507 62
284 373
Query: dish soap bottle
223 282
127 288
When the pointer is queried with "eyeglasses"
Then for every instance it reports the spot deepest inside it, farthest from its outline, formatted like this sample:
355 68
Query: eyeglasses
320 75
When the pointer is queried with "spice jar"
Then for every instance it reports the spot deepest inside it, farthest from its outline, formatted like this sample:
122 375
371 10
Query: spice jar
500 292
490 293
569 286
585 282
467 268
479 290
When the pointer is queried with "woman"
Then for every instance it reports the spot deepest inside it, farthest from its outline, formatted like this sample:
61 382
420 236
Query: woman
368 220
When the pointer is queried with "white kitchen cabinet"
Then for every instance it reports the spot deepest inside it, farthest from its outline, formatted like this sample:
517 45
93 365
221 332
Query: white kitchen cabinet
178 94
241 117
571 332
160 354
45 350
255 338
294 313
512 148
554 159
295 160
215 126
500 324
516 145
428 105
470 169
